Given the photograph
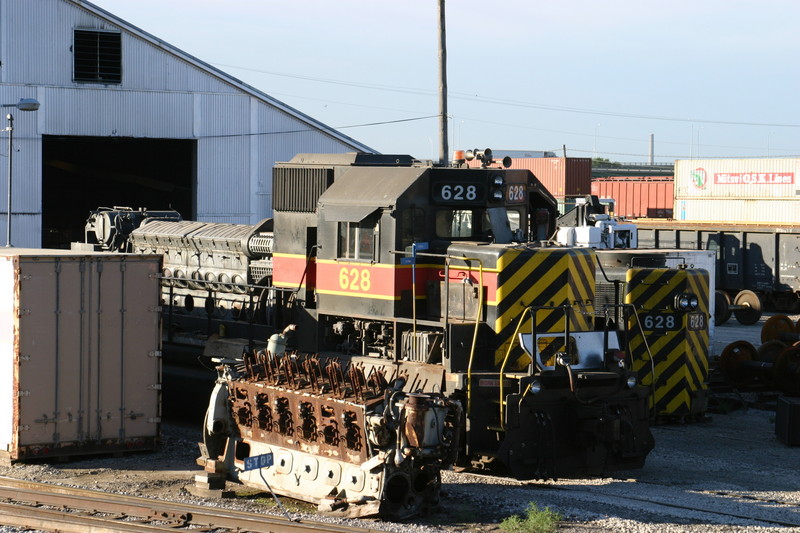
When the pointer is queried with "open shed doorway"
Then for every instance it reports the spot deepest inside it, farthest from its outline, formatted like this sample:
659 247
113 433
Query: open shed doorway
80 174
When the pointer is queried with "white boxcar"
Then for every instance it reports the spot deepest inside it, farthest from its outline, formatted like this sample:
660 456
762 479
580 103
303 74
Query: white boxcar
80 366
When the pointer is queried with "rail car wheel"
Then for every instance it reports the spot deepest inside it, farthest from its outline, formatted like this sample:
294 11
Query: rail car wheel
747 307
733 361
786 371
770 350
722 307
774 326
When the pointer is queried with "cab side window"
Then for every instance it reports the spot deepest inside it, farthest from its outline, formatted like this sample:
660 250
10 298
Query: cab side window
357 240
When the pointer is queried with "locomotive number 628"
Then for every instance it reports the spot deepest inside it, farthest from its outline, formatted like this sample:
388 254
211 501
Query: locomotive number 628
355 279
459 193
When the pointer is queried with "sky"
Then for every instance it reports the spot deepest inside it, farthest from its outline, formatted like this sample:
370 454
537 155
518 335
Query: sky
706 78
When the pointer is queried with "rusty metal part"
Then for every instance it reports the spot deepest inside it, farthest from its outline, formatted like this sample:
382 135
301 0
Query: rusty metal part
743 365
787 370
775 326
348 436
740 366
769 351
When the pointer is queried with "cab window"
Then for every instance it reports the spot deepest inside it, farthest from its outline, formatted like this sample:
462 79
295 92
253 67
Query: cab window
463 224
357 240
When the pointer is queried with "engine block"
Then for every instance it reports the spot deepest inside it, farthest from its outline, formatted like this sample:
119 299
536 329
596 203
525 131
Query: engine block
342 437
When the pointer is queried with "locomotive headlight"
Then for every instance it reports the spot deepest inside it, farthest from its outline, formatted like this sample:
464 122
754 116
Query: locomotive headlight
498 188
536 386
686 302
631 381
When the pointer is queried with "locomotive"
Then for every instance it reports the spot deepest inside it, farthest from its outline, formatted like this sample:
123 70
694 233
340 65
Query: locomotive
429 321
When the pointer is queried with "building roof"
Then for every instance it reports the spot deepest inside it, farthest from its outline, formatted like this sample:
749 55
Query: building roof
219 74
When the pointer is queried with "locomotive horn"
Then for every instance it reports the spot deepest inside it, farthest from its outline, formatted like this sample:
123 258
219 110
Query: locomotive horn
506 162
469 155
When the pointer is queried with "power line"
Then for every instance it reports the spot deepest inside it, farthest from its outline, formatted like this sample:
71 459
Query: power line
306 130
514 103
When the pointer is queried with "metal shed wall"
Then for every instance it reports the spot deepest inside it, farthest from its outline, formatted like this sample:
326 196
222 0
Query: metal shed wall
164 93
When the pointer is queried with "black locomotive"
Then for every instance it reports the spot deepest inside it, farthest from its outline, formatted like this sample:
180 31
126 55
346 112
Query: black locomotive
428 280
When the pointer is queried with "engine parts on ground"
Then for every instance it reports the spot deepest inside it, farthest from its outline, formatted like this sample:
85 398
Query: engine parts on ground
342 437
774 364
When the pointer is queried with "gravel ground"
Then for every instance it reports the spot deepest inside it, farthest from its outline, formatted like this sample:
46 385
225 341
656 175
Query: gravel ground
728 474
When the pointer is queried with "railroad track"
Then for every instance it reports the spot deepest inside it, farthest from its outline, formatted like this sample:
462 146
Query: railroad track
49 507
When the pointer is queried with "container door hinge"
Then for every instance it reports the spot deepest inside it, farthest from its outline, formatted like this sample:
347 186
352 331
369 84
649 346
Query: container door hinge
24 357
154 353
154 386
154 420
23 312
24 393
156 309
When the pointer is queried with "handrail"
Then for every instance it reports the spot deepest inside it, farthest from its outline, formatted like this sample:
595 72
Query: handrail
505 361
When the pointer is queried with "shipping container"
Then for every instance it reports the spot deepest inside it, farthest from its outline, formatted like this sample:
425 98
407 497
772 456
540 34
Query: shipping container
739 211
758 191
80 353
561 176
637 197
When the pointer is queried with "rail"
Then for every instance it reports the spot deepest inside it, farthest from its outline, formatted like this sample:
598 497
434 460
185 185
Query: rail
55 507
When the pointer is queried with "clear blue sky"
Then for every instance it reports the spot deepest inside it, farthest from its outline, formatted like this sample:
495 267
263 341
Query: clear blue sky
709 78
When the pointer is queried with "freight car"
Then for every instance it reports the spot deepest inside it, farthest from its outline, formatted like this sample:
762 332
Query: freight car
427 324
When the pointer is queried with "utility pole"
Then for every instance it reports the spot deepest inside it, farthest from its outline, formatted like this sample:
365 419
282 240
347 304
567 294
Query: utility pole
443 149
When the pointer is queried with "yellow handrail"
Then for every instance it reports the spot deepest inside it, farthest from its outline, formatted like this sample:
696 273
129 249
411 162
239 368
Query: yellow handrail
475 333
505 361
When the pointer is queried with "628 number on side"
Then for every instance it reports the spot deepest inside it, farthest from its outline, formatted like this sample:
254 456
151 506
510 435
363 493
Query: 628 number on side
354 279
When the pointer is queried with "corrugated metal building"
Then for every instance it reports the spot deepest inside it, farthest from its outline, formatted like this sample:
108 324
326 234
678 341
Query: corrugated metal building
127 119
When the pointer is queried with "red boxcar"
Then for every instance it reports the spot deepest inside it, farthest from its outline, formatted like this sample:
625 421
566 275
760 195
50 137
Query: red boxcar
638 197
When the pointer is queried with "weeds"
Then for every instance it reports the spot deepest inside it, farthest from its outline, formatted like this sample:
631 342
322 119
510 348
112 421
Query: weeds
534 520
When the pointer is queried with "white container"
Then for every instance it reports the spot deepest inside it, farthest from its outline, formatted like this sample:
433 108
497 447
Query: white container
80 365
763 211
737 178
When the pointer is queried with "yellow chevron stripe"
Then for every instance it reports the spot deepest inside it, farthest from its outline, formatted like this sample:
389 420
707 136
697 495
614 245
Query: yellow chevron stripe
687 360
577 264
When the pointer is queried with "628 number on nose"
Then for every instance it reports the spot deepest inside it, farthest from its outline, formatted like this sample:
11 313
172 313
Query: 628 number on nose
659 322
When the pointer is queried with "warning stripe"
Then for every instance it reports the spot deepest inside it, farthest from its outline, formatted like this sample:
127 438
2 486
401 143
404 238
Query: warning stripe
680 357
542 278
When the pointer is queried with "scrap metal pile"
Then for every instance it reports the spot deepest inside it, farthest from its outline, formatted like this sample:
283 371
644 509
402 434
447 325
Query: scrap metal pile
775 364
342 435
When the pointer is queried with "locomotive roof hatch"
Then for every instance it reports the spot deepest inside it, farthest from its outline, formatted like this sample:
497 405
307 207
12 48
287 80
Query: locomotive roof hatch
364 191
